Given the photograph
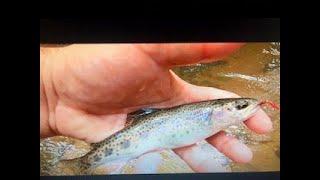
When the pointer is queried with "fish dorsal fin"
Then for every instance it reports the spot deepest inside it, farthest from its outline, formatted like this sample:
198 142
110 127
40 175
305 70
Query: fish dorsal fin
136 116
143 111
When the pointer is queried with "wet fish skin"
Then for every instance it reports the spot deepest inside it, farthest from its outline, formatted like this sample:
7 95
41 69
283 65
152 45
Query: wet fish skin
168 129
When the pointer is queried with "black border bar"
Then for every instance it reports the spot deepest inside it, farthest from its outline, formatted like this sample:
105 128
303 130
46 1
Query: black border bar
68 31
224 176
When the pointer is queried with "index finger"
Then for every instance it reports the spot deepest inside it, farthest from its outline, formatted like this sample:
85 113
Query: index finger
177 54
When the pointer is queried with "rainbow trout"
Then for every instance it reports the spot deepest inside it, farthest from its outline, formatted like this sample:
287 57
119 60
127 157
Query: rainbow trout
166 129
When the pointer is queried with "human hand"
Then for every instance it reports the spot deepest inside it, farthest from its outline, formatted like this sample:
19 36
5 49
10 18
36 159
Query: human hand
87 91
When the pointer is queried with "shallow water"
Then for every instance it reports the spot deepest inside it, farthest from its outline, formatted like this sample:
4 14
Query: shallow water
253 71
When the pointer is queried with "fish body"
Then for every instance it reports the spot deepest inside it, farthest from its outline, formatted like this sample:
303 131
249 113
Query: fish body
168 129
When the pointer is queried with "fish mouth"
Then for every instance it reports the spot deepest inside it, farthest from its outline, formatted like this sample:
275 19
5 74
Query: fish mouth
252 110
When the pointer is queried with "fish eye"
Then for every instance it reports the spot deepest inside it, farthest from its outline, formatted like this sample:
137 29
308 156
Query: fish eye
242 106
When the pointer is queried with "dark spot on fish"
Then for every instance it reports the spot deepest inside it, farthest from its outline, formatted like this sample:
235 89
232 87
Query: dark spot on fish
125 144
97 158
173 135
90 159
187 132
108 152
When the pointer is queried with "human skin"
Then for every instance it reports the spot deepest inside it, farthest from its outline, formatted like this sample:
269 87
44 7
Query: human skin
87 90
